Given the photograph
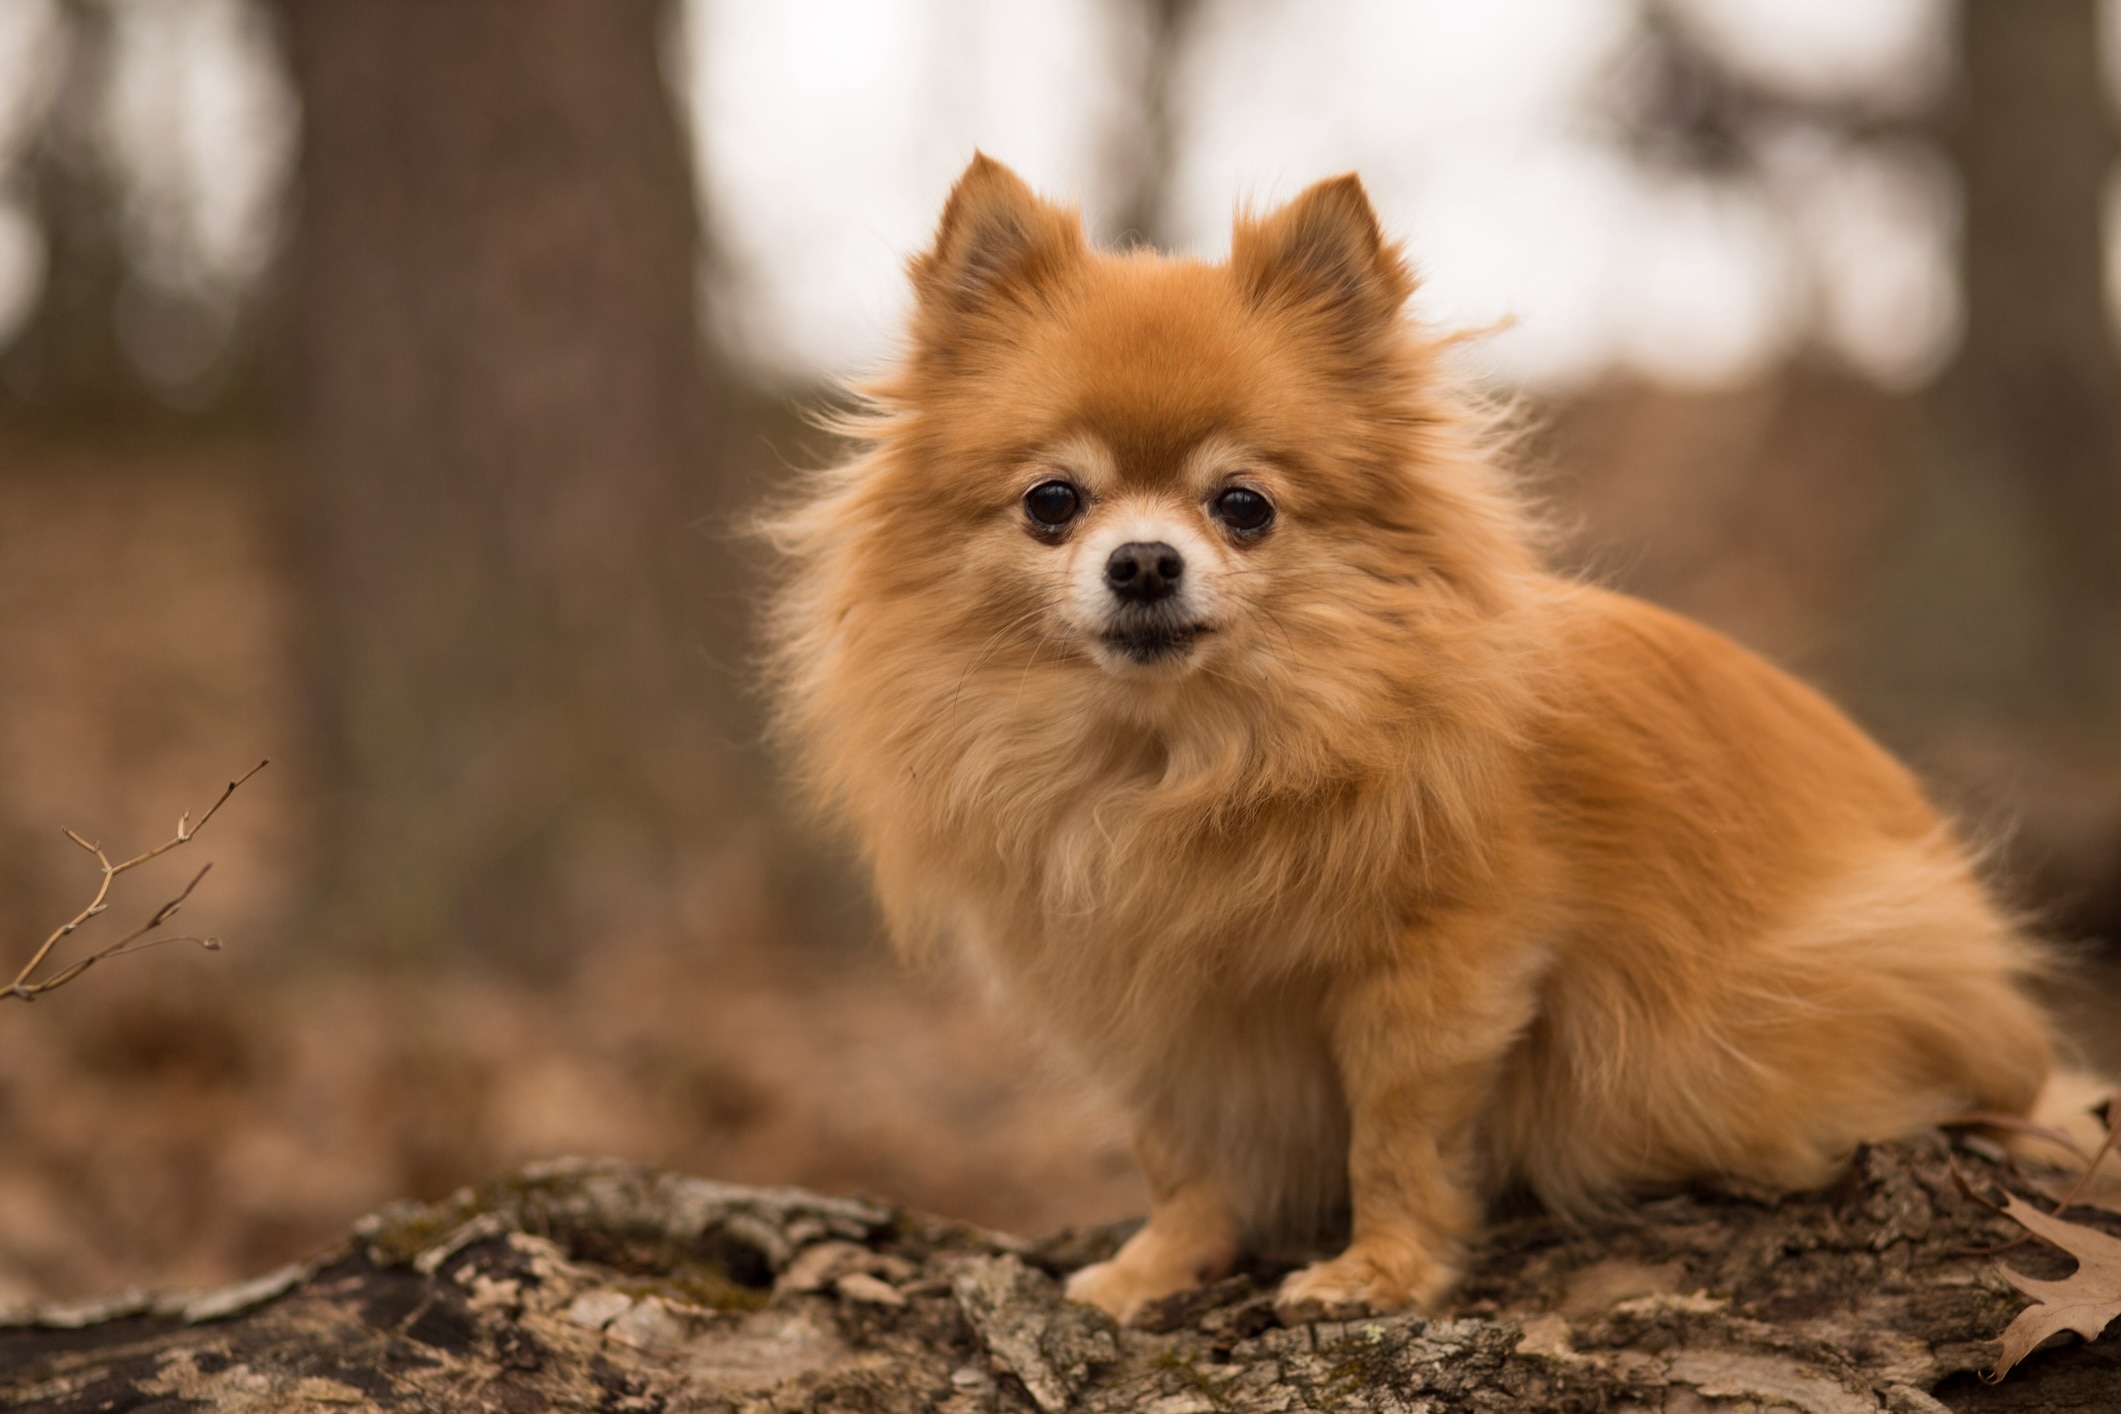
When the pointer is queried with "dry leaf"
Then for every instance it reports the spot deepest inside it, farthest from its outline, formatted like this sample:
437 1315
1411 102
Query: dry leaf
2085 1302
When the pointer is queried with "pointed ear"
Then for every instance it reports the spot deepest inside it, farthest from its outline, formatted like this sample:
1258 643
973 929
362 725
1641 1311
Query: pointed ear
1324 250
997 238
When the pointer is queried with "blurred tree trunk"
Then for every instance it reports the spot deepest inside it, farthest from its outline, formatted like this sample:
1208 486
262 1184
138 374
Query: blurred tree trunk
2006 609
502 425
1996 653
1145 154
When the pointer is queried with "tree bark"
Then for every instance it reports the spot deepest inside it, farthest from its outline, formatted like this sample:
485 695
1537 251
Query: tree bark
586 1285
1144 154
502 425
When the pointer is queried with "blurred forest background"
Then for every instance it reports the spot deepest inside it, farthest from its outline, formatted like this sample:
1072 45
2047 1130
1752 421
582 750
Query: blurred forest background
380 380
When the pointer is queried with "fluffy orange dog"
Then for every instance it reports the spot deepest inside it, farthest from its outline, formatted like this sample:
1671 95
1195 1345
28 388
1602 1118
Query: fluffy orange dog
1178 647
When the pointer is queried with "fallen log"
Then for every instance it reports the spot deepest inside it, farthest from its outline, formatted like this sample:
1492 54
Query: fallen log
597 1285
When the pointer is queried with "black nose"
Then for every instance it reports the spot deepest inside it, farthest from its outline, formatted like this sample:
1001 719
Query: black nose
1144 571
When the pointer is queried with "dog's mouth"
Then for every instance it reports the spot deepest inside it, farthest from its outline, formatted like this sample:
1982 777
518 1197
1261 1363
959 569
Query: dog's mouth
1154 643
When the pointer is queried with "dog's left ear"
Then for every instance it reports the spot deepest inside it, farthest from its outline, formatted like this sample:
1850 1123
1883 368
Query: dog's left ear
1324 251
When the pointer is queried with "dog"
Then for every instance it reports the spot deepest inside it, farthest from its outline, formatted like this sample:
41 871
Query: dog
1176 646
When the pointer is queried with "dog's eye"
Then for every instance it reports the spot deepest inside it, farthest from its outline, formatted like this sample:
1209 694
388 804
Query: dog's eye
1243 509
1052 503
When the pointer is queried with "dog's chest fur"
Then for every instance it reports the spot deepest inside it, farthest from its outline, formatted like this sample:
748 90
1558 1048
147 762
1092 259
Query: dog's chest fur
1195 1001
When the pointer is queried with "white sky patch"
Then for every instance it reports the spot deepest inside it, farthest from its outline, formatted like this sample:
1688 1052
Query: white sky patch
1520 241
1890 52
1467 125
1879 225
1708 293
203 126
832 130
1280 94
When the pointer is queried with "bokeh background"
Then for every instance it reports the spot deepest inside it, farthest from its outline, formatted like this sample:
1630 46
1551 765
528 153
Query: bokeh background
381 380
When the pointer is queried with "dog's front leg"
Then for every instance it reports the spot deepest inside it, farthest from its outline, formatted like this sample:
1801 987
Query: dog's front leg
1418 1045
1191 1238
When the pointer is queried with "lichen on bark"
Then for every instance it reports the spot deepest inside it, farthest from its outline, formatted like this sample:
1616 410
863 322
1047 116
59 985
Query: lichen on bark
592 1285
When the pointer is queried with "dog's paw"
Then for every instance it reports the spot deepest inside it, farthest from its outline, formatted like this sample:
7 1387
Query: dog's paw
1120 1289
1354 1284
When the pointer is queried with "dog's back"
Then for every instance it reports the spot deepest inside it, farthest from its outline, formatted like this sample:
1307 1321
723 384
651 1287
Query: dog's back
1769 946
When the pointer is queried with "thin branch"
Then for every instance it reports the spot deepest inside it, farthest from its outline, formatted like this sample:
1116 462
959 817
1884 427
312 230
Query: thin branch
2112 1106
2014 1124
27 986
2109 1111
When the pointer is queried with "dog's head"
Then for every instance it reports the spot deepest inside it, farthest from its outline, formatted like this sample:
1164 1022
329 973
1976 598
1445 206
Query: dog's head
1137 546
1159 446
1137 482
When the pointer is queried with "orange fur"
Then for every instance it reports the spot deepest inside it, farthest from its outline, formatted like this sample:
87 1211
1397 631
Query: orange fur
1420 872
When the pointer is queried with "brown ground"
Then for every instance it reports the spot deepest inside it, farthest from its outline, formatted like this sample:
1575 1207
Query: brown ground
181 1122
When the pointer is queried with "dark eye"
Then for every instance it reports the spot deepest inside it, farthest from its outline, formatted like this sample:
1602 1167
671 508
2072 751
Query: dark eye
1243 510
1052 504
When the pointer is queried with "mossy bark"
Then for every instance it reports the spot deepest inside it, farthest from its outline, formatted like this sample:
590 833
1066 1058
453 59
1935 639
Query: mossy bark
601 1286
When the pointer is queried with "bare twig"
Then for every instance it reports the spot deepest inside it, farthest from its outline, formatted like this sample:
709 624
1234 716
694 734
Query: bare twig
2109 1112
2112 1115
27 986
2014 1124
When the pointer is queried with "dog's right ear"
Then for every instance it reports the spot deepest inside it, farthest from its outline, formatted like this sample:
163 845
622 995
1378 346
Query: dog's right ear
997 241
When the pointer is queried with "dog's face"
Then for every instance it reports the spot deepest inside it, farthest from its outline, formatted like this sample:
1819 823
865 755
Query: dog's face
1156 472
1144 571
